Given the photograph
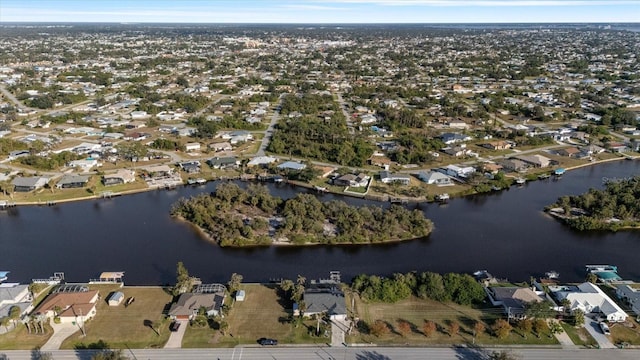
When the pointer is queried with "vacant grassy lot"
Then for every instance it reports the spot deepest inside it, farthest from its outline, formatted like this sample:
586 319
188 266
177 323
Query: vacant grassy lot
262 314
21 339
627 332
579 336
416 311
121 326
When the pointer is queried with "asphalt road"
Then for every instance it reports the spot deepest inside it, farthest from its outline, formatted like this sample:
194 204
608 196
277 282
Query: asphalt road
267 135
339 353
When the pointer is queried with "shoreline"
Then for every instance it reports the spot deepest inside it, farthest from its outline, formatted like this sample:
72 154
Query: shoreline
370 197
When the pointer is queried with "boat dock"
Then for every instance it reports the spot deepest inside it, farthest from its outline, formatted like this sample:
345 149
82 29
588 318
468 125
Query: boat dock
109 277
55 279
4 204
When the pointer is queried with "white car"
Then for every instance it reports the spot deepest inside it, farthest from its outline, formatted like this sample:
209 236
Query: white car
605 329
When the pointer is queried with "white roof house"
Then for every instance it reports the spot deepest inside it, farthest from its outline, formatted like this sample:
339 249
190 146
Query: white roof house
261 160
590 299
435 178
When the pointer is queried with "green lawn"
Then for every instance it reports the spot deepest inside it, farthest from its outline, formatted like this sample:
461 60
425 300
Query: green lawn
261 315
627 332
123 327
21 339
417 311
579 336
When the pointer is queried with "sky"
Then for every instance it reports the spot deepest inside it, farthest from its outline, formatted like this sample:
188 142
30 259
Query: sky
320 11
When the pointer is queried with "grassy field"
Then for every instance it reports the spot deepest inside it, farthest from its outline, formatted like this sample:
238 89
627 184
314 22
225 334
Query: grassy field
416 311
123 327
579 336
628 332
262 314
21 339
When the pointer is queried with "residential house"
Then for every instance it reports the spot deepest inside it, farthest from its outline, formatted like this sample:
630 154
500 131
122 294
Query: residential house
261 161
457 151
497 145
75 306
188 305
12 294
569 152
514 165
618 147
353 180
457 124
491 168
223 162
625 292
191 167
18 154
590 299
122 176
537 161
26 184
325 300
514 300
292 165
397 178
457 171
158 171
192 146
435 178
84 164
452 138
592 149
69 181
223 146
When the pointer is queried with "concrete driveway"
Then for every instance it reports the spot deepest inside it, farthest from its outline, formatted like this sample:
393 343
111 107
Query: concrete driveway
594 329
60 333
175 339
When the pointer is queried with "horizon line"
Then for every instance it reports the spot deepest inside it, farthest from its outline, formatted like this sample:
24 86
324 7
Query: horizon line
312 23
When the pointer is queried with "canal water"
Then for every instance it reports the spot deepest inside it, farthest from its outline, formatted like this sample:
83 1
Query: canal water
505 233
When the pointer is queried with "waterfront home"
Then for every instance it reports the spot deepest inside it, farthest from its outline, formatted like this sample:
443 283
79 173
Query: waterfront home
628 294
122 176
435 178
76 304
190 167
261 161
353 180
13 294
454 170
325 300
188 305
618 147
292 165
537 161
590 299
223 162
514 165
158 171
452 138
26 184
491 168
514 300
69 181
390 178
569 152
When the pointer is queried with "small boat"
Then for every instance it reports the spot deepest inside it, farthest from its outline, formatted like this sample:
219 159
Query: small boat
320 189
543 176
520 180
559 172
129 301
191 181
442 197
552 274
3 275
201 181
496 188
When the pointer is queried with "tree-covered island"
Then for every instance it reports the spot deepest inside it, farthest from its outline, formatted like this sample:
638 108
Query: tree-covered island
613 208
233 216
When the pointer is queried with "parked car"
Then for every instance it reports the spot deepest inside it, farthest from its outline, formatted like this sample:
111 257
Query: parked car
605 329
174 326
266 341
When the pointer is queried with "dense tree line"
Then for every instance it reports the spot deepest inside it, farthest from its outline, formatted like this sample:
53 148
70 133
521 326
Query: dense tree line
52 162
462 289
235 216
613 207
324 138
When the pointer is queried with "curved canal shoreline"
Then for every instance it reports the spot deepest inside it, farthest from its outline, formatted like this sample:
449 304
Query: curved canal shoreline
378 198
